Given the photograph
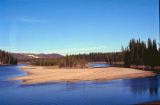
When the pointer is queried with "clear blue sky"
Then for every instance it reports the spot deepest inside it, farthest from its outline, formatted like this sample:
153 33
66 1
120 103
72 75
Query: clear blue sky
75 26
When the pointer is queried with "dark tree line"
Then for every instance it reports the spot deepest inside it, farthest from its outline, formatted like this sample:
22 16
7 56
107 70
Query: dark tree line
102 57
140 53
67 61
7 58
80 60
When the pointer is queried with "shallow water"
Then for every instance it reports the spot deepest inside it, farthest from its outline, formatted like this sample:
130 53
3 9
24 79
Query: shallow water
100 65
119 92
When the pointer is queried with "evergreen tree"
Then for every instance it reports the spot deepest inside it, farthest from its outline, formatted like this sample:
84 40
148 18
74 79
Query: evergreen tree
140 53
7 58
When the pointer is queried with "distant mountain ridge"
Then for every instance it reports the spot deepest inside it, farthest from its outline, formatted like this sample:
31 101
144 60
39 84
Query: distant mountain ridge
21 56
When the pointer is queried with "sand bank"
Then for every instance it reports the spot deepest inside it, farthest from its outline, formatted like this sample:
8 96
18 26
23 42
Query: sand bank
39 74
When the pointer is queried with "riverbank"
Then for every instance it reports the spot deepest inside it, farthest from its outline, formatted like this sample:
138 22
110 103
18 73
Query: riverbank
39 74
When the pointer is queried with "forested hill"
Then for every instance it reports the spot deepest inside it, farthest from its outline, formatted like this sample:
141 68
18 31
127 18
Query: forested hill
28 57
6 58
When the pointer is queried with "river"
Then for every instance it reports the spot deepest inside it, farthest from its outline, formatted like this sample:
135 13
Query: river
115 92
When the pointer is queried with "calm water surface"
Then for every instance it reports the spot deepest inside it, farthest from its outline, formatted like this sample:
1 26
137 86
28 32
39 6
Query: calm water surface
119 92
96 65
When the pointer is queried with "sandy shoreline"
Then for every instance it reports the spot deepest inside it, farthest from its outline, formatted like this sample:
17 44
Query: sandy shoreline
39 74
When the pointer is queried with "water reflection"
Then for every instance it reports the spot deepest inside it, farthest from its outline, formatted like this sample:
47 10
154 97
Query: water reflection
140 86
153 86
75 86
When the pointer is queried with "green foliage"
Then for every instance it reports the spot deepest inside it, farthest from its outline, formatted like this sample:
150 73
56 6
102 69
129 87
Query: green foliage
140 53
7 58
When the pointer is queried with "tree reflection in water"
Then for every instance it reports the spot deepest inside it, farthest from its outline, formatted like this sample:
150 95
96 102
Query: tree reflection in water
153 86
141 86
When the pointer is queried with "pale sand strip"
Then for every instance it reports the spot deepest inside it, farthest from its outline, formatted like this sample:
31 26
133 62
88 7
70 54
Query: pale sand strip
38 74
